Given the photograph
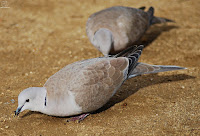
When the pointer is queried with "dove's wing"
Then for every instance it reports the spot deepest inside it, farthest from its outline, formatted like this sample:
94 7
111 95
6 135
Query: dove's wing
105 77
98 82
93 82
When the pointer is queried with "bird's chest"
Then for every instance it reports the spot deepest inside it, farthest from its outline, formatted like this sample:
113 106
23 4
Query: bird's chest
62 104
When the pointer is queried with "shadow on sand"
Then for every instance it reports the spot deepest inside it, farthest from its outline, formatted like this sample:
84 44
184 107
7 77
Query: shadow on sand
140 82
153 32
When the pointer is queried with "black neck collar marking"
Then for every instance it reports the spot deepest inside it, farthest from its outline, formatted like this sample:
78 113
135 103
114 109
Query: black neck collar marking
45 102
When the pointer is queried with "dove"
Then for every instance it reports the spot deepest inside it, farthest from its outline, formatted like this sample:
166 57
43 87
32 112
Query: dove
116 28
85 86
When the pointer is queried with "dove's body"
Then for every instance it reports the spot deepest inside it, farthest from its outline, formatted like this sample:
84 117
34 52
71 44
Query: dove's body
85 86
114 29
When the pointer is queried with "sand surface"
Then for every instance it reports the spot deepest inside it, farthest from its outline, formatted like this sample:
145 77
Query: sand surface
37 38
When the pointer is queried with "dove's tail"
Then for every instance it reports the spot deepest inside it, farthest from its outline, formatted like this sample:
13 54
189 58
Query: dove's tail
136 68
156 20
143 68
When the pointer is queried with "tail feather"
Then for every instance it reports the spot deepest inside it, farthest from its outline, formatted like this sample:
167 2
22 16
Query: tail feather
137 68
156 20
143 68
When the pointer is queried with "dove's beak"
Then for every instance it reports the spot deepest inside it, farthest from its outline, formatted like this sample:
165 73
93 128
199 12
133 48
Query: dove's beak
18 110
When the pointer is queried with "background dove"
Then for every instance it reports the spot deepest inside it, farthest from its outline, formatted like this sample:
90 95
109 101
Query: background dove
85 86
114 29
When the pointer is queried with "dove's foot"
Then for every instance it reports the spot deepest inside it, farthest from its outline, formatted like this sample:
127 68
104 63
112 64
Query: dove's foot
78 118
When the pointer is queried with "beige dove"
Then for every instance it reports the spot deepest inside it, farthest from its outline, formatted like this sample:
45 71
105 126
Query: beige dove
85 86
114 29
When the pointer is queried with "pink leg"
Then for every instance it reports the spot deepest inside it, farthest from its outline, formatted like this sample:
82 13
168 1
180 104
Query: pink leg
79 118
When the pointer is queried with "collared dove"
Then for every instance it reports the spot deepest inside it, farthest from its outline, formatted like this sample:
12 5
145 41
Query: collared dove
114 29
85 86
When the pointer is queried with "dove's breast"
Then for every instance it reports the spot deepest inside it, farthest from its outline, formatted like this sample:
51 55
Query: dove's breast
62 104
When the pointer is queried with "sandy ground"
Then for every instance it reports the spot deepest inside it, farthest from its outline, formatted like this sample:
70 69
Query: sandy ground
37 38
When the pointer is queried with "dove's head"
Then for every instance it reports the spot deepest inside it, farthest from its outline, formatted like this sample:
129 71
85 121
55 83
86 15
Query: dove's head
103 41
32 98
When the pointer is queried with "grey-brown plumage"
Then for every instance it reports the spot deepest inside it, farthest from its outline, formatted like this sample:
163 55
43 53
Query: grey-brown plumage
85 86
114 29
93 81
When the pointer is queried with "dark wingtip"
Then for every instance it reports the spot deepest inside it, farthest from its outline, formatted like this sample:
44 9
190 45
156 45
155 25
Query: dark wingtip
151 11
151 8
142 8
128 50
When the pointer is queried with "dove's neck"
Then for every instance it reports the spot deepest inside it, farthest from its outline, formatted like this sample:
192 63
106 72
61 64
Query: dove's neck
103 40
39 104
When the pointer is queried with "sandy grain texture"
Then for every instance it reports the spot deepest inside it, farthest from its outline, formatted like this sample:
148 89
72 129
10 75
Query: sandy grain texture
37 38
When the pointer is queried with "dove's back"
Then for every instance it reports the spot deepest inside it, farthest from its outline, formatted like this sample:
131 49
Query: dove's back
126 24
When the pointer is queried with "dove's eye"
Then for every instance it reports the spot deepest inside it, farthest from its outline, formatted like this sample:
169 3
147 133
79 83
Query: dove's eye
27 100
